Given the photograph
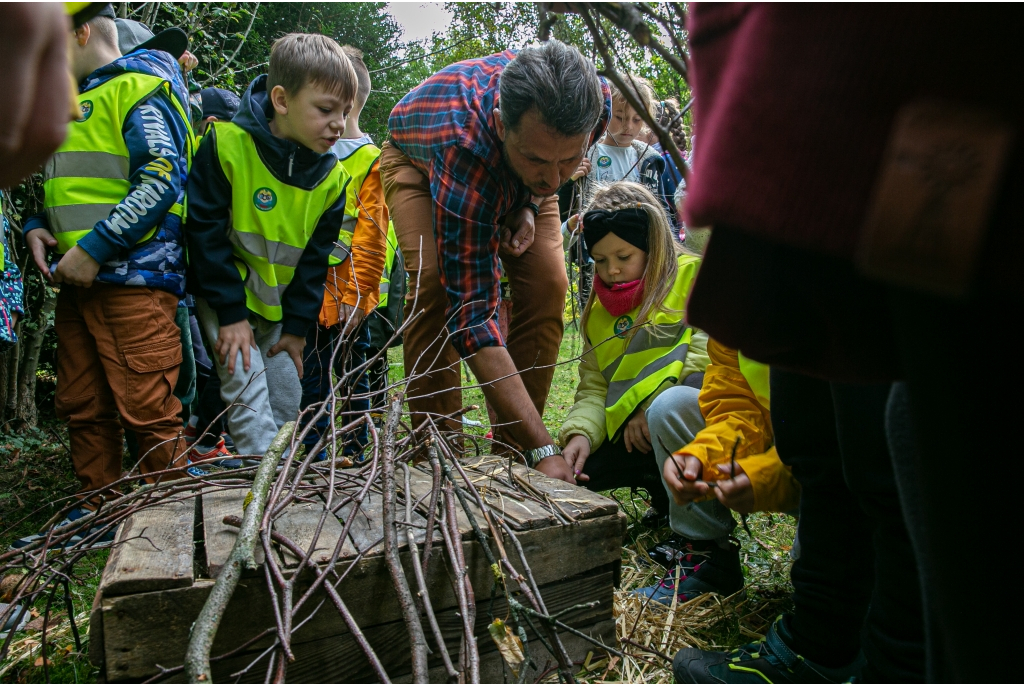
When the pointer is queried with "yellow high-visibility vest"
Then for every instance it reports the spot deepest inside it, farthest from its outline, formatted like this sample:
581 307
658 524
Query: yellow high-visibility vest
271 222
389 263
88 176
656 353
757 376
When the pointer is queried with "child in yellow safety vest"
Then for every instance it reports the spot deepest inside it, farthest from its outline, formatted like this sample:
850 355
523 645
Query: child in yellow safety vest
353 285
725 459
637 343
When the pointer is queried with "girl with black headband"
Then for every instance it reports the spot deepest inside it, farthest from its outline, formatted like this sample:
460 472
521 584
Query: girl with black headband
639 398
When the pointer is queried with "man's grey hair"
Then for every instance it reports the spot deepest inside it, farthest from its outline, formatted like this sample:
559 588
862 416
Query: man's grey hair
559 82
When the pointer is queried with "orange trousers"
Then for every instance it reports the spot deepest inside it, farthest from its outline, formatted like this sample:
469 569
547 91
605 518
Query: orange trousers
118 353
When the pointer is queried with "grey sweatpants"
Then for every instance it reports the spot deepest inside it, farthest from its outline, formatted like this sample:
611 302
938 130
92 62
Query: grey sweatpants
674 419
256 409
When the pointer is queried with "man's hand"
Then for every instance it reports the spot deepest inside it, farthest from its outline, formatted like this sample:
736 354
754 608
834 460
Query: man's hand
77 267
684 490
636 434
737 492
232 339
517 232
40 242
293 345
575 455
37 83
555 467
574 224
350 318
582 170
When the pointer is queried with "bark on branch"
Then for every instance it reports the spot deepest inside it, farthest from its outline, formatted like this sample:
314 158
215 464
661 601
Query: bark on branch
197 657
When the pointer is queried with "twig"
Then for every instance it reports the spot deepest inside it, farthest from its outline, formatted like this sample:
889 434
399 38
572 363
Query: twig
417 640
197 656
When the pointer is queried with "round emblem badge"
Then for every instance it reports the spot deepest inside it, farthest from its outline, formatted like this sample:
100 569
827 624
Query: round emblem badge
622 325
604 161
86 106
264 199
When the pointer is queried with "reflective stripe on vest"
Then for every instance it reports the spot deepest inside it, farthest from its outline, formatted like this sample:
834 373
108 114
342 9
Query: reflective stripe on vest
656 353
757 376
358 166
271 222
88 177
389 263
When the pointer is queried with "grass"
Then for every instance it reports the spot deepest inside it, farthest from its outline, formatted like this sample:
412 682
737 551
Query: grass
35 472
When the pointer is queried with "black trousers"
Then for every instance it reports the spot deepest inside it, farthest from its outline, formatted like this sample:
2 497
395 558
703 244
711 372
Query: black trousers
856 582
960 471
611 466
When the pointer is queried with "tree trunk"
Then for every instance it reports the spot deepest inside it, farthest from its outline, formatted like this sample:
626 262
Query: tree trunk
27 413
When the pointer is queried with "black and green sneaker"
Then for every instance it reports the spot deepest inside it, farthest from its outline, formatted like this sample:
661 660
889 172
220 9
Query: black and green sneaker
770 660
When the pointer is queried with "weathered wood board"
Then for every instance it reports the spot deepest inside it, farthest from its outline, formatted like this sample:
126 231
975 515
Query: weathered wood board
571 537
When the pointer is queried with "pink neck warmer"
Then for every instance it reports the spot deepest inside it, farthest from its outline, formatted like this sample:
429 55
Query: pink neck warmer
619 298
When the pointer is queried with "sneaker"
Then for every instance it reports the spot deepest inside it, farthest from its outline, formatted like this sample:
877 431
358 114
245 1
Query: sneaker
713 569
770 660
653 519
73 515
217 455
680 551
229 444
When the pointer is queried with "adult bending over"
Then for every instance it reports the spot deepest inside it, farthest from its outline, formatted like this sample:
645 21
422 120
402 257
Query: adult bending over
476 154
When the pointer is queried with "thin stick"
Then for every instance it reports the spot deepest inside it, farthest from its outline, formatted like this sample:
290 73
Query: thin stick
197 656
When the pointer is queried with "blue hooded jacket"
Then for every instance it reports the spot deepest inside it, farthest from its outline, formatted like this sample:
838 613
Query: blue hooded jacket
159 262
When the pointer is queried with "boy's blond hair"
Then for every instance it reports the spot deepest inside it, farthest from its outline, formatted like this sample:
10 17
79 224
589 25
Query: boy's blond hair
355 56
299 59
640 88
662 249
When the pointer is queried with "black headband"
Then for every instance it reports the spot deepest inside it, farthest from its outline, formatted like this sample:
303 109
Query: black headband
629 224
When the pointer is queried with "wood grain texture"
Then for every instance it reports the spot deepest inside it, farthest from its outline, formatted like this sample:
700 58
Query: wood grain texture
153 550
218 536
136 641
298 523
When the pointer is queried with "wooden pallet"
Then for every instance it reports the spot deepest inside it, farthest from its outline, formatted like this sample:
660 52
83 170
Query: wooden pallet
163 565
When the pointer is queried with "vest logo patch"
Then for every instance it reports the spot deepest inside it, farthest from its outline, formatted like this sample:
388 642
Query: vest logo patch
86 106
264 199
604 161
622 324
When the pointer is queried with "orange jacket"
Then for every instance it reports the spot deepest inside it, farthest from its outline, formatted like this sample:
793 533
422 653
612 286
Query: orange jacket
731 412
356 281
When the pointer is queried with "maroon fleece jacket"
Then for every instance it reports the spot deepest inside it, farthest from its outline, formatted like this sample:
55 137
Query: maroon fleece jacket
793 108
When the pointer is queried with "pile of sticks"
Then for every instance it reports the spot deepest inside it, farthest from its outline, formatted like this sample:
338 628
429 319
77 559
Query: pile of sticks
287 474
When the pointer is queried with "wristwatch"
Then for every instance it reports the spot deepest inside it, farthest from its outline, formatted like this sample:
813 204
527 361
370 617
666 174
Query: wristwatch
534 456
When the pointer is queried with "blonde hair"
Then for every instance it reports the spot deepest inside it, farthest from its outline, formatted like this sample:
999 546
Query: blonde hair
299 59
662 249
640 88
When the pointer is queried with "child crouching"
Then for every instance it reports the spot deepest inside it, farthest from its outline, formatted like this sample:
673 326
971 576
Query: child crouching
637 343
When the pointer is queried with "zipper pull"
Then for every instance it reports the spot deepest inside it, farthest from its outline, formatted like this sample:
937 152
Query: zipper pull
291 163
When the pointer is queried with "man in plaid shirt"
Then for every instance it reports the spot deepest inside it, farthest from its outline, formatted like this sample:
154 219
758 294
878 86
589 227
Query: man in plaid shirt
475 156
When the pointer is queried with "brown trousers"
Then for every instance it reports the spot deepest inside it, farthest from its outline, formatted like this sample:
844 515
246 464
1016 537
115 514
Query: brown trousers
537 280
118 353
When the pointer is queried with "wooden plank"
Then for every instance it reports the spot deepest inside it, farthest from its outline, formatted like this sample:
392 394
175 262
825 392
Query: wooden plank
153 550
577 501
298 523
367 527
324 652
218 536
134 641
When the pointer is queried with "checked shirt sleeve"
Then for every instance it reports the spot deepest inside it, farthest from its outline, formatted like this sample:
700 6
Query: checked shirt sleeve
466 226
